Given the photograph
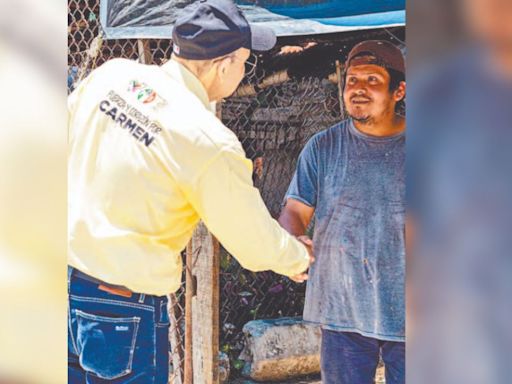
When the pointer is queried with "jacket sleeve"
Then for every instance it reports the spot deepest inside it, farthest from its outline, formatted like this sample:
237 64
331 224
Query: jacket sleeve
233 210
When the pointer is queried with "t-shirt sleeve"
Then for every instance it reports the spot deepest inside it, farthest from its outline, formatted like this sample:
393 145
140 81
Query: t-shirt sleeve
304 185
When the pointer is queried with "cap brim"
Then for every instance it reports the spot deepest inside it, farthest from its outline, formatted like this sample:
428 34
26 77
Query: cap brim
262 38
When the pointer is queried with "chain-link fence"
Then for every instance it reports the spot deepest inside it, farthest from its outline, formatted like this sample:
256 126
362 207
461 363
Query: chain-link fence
273 126
294 93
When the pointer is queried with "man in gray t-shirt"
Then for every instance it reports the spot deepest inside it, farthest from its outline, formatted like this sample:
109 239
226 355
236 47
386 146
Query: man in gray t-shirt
351 178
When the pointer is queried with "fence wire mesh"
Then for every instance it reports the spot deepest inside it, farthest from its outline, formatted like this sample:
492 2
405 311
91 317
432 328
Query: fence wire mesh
291 96
273 126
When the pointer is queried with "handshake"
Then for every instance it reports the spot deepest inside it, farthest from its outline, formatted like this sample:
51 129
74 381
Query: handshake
308 243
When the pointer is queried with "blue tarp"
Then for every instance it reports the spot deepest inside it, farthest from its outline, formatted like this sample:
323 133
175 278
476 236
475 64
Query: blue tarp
154 18
320 9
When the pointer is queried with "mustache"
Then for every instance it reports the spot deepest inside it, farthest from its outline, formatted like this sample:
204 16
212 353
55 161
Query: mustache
360 98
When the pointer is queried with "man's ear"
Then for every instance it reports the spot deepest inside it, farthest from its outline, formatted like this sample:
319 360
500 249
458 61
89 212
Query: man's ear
399 93
223 67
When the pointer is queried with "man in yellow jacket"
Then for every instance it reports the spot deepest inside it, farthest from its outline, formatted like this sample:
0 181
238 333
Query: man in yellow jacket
149 159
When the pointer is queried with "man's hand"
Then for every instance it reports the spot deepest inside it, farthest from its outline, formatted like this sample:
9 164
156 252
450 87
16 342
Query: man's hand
308 243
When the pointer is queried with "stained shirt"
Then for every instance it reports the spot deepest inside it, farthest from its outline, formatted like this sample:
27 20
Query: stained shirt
355 183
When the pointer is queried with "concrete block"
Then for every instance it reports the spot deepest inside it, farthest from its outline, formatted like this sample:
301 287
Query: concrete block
280 349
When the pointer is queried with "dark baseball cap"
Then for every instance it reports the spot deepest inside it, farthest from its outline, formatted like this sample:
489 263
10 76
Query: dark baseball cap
378 52
207 29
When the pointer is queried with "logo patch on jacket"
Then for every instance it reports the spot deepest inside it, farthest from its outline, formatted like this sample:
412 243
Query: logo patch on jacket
145 94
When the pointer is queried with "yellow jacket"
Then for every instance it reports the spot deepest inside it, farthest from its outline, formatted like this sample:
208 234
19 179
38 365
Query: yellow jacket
148 159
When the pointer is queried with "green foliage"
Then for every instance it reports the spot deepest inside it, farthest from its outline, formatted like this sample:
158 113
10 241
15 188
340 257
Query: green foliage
238 364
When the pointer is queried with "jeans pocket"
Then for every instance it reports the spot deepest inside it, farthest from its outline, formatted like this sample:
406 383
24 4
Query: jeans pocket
106 344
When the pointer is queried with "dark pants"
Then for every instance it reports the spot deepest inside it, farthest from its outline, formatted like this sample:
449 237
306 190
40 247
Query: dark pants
115 339
349 358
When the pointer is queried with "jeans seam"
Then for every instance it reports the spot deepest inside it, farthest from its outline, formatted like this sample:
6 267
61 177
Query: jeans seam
132 349
113 302
155 343
69 279
134 319
70 330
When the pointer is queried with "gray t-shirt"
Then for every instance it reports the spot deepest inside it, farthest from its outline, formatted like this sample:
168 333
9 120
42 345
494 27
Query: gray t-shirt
356 184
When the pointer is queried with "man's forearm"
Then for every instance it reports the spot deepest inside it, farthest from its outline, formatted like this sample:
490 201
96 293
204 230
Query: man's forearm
295 219
292 223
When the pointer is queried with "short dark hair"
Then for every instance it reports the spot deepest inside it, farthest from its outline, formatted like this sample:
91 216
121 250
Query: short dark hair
395 78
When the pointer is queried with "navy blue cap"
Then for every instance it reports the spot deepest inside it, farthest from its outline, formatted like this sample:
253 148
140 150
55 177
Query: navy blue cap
207 29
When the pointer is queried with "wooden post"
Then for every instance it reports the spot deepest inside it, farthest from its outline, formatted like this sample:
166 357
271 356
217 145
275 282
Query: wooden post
189 294
340 88
144 51
205 304
202 305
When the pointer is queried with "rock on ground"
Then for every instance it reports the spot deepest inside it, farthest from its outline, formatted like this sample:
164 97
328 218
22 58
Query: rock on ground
280 349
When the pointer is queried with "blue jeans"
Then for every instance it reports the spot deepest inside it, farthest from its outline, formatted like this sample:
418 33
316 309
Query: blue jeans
349 358
115 339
